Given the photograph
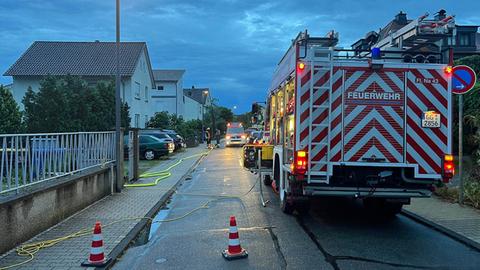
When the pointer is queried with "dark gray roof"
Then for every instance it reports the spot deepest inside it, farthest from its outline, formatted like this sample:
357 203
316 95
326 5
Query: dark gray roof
77 58
197 94
168 74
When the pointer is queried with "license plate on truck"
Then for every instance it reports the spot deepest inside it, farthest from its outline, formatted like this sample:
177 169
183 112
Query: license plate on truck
431 119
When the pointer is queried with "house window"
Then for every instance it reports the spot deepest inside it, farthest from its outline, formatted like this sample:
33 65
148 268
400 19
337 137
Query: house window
464 39
137 90
137 120
146 94
160 87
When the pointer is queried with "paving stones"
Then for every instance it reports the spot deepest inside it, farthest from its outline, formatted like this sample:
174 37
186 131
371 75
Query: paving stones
463 220
130 203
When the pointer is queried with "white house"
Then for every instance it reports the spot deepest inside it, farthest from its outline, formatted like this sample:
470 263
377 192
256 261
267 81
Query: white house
196 102
94 62
168 92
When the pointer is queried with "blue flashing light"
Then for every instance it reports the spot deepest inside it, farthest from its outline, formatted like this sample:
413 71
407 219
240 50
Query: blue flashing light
376 54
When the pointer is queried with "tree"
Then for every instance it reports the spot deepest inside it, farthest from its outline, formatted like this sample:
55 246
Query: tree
30 114
245 119
125 116
175 122
68 104
471 108
48 110
160 120
9 113
217 117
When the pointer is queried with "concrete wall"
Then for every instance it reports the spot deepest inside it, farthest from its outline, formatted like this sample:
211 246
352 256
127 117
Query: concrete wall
23 216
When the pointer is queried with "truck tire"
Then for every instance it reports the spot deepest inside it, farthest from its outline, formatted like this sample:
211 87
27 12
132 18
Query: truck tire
267 180
286 205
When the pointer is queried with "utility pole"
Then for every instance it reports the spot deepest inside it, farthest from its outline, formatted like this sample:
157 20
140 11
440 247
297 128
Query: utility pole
118 157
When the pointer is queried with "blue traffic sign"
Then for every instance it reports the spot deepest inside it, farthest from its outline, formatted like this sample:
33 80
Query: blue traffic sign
463 79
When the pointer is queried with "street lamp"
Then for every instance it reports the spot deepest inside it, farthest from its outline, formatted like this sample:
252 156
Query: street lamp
204 94
118 174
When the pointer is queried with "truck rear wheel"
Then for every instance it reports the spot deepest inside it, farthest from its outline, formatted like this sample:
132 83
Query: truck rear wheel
286 205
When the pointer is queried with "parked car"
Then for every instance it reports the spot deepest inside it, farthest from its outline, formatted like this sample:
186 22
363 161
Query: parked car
163 136
150 147
179 141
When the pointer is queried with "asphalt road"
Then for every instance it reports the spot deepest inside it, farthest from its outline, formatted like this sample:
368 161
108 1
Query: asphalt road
335 234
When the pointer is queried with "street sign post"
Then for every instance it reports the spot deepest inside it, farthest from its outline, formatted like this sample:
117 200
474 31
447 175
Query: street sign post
463 80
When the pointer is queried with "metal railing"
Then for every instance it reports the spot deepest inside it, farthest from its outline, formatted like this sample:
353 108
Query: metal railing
27 159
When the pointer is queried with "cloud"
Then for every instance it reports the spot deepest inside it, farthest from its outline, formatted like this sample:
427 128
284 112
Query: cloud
231 46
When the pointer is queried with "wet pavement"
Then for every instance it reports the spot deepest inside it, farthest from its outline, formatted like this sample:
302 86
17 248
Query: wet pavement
335 234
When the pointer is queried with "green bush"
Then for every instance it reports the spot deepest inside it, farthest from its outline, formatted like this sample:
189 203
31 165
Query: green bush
447 193
471 190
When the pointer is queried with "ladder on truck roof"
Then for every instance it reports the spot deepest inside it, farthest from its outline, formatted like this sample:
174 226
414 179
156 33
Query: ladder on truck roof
420 30
321 60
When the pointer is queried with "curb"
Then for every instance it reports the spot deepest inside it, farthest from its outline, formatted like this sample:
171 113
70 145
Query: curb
452 234
123 245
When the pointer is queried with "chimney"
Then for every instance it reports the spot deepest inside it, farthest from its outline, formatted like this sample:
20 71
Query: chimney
401 18
440 15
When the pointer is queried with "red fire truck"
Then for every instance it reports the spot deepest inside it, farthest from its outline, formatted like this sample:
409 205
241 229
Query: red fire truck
372 127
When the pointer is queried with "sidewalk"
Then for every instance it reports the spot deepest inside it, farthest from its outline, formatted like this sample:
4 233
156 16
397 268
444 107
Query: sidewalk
459 222
131 202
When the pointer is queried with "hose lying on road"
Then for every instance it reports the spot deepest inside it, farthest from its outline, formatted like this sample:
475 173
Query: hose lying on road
30 249
163 174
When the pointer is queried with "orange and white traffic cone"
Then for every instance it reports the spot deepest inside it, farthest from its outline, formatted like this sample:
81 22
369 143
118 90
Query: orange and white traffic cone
234 251
97 253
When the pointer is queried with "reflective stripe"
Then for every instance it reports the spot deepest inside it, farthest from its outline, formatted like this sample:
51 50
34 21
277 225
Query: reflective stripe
96 250
97 237
233 242
233 229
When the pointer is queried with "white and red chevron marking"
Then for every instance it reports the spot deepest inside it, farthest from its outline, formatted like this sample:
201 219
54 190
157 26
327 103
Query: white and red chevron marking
426 146
336 116
373 125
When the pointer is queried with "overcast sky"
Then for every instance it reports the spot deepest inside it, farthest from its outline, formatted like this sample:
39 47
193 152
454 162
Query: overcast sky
230 46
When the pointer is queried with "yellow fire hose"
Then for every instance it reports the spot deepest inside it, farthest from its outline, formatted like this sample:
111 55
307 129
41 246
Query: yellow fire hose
30 249
163 173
